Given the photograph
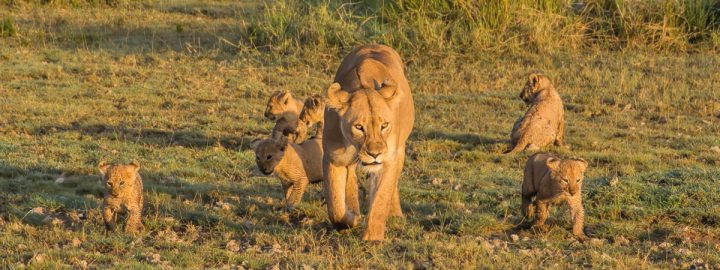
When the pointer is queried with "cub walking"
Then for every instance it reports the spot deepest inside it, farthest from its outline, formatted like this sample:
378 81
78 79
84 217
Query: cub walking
552 180
123 192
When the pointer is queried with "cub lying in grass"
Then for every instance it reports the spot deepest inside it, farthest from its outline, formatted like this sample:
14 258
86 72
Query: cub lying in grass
543 123
313 112
295 164
284 109
123 192
552 180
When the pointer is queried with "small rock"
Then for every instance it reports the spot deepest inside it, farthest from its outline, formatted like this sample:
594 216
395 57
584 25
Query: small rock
665 245
514 237
596 242
75 242
715 149
436 181
154 258
39 210
233 246
457 187
38 258
621 241
614 181
60 180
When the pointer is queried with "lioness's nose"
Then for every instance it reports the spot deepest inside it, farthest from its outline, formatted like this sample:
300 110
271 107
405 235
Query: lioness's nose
374 149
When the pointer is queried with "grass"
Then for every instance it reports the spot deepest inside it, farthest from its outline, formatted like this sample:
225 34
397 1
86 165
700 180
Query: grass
181 87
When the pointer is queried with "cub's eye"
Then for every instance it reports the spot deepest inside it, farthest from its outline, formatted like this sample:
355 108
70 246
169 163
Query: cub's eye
269 157
385 125
122 183
358 127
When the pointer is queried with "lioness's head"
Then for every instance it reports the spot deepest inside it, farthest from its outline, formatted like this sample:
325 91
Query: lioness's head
119 178
269 152
366 120
278 103
536 83
567 173
313 110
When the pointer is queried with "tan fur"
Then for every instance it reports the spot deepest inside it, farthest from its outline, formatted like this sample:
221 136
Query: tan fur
543 123
313 112
123 192
296 165
284 109
552 180
370 116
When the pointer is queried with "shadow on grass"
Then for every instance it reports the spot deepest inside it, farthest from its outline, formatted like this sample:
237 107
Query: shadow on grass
470 139
156 137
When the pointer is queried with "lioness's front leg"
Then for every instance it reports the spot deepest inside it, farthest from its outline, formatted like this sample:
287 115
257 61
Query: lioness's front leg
380 200
351 190
335 184
395 209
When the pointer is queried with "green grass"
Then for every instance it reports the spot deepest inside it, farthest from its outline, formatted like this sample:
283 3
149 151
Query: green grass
181 87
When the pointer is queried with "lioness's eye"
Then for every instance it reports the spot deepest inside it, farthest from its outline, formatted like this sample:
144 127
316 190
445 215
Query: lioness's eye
385 125
359 127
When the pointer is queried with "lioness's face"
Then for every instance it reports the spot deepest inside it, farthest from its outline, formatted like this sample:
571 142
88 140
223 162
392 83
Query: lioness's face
268 153
119 178
277 105
367 123
568 174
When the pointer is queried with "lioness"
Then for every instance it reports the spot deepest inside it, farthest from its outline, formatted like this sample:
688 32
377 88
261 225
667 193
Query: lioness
313 112
284 109
295 164
369 117
552 180
123 192
543 122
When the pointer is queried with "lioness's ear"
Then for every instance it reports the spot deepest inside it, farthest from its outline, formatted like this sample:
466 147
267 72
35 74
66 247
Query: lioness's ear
387 88
135 164
103 167
335 97
553 163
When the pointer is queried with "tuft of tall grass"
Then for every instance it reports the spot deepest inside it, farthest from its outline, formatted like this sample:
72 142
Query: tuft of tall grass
7 27
433 27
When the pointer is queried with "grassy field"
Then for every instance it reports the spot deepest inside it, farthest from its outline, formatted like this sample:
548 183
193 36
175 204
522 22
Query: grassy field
181 87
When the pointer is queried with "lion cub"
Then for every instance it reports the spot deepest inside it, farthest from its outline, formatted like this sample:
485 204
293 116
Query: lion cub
123 192
313 112
284 109
552 180
543 122
295 164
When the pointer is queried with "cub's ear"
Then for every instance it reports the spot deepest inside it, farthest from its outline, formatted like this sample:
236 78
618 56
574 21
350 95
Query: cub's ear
135 164
583 163
283 141
336 98
285 97
553 163
538 81
387 88
103 167
255 143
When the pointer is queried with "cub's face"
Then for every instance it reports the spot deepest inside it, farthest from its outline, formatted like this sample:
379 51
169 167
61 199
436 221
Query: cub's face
268 153
568 173
278 103
536 82
313 111
119 179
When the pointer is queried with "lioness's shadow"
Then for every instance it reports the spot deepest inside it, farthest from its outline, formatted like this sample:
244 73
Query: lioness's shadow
469 139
